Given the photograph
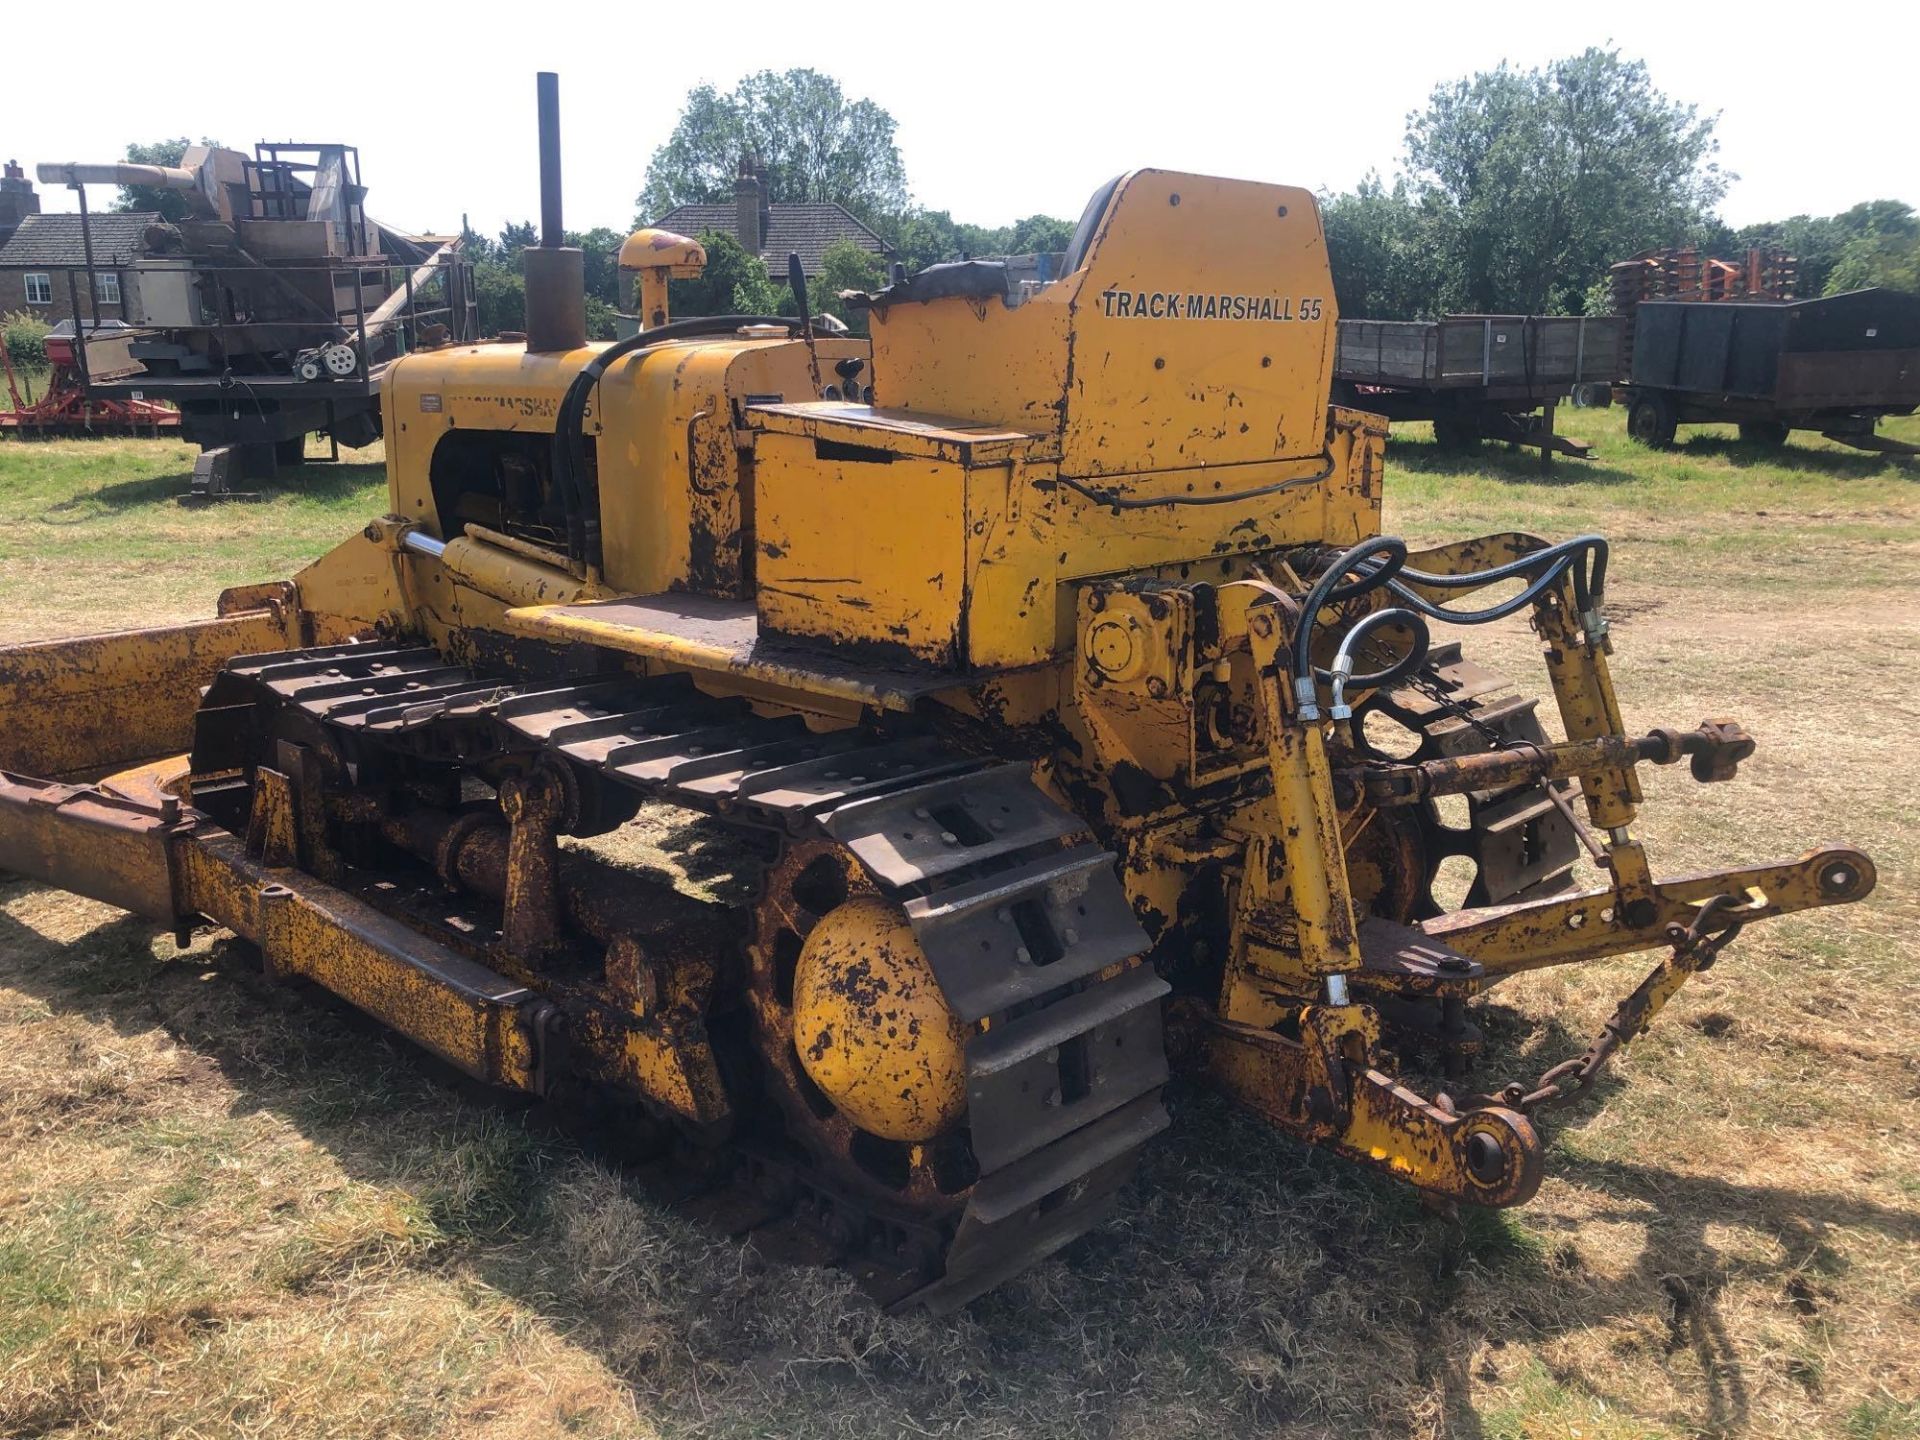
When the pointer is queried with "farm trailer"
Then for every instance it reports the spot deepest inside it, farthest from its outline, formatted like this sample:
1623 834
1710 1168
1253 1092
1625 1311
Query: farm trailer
1835 365
1478 376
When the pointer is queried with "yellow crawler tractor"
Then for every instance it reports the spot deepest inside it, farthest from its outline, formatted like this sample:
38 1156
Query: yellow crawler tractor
1043 656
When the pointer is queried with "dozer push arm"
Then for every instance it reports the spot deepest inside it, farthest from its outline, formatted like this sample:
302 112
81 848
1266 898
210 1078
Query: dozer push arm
161 860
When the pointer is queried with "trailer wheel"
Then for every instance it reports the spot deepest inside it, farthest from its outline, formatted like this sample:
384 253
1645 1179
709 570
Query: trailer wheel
1450 432
1651 421
1771 434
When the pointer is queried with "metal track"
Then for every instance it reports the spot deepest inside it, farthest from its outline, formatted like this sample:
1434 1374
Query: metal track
1522 843
1020 913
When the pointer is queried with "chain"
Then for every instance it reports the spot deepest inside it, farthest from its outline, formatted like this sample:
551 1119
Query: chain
1430 687
1694 950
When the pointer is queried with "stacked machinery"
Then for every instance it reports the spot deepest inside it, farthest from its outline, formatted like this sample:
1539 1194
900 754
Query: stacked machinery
267 311
1073 712
1682 273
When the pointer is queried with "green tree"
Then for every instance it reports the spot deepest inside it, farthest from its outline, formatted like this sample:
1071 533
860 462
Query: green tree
500 294
845 266
929 237
733 283
1873 243
25 336
476 246
516 236
809 140
1039 235
921 237
172 204
1882 258
600 252
1530 183
1375 243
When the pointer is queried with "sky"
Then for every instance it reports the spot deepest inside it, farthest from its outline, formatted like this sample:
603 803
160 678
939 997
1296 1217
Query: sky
1003 111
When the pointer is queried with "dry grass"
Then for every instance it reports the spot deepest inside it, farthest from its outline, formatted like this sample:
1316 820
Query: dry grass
227 1208
92 536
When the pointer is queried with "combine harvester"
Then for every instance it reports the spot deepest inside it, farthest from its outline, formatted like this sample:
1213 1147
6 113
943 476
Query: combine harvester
265 314
1077 717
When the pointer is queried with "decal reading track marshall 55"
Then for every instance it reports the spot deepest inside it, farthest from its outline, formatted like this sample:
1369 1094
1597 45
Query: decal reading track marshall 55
1167 305
520 407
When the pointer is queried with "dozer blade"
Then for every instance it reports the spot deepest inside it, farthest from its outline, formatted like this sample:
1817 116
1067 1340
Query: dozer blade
84 706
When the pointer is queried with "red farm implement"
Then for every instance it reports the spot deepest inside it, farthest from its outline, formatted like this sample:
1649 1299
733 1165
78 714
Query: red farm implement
64 407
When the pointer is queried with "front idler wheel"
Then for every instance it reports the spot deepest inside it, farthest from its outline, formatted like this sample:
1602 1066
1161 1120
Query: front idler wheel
863 1058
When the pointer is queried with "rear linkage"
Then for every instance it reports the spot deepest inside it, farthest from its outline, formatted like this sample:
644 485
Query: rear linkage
1695 948
1292 1039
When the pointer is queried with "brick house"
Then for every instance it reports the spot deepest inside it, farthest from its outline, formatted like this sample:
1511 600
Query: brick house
774 232
39 254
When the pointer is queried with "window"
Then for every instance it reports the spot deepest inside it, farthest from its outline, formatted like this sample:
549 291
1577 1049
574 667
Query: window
106 286
39 289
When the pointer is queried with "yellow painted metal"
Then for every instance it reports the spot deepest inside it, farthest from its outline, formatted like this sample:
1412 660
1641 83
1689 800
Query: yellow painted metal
677 476
1133 359
1085 510
654 257
501 575
780 676
492 387
1294 921
872 1028
1586 926
463 1012
978 483
77 707
909 515
360 585
1490 1155
1582 688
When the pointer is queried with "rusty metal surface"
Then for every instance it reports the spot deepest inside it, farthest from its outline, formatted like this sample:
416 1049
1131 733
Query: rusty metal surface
81 707
1716 749
1488 1156
1088 1014
87 841
705 632
1554 931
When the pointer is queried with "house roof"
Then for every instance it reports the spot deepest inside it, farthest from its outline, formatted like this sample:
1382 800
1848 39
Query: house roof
55 242
806 229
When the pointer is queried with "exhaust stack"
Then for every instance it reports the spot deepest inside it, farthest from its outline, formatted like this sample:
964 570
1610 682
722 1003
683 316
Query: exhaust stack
556 273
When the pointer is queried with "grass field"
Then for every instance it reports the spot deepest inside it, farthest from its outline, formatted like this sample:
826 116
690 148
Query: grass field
231 1208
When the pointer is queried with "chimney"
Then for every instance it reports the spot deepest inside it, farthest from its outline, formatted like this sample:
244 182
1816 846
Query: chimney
749 208
18 199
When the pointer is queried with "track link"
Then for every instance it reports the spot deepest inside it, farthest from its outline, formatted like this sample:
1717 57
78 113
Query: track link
1521 842
1021 915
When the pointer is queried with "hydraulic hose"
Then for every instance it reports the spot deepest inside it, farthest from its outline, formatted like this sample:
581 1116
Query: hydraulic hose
1585 556
569 457
1342 670
1331 586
